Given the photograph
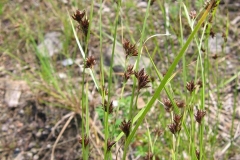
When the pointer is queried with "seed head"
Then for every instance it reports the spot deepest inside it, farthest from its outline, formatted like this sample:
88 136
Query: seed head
149 156
90 62
128 73
199 83
152 1
130 49
180 104
177 119
110 144
199 116
224 36
83 23
212 34
84 26
167 104
202 49
86 141
158 132
143 79
174 128
105 107
190 86
215 56
78 16
197 154
125 127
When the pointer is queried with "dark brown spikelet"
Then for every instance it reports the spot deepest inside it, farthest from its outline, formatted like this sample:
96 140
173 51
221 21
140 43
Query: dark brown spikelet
105 107
215 56
86 141
190 86
199 83
125 127
128 72
224 36
143 79
83 23
78 15
84 26
177 119
158 132
199 116
197 154
180 104
202 49
130 49
149 156
110 144
174 128
90 62
212 34
167 104
151 1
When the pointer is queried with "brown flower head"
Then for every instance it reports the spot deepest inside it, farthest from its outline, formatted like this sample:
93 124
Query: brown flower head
152 1
199 83
224 36
84 26
128 72
190 86
78 16
212 34
177 119
193 14
105 107
83 23
197 154
143 79
86 141
180 104
158 132
199 116
125 127
110 144
130 49
174 128
90 62
149 156
202 49
167 104
215 56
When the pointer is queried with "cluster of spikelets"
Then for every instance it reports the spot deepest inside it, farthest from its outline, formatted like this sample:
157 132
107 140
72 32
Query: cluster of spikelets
143 81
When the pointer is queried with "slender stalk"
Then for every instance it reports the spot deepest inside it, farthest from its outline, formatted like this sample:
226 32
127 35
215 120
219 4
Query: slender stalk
110 75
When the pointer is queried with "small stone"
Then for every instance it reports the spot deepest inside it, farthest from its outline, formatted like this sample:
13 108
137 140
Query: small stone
34 150
50 45
32 144
67 62
29 154
35 157
49 146
21 112
4 128
39 134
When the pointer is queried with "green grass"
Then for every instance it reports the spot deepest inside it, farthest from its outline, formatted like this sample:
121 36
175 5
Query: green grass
165 34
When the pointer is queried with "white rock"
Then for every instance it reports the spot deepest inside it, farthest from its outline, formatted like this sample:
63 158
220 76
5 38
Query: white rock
50 45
